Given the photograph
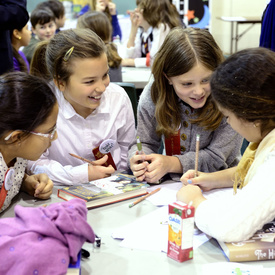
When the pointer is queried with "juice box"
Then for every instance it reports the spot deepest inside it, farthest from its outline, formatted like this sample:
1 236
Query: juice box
180 231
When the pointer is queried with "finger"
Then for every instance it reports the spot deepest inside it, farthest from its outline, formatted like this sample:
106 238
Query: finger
43 188
45 196
140 178
101 161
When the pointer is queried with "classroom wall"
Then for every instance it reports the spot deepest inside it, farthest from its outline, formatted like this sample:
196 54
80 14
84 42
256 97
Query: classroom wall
122 5
221 30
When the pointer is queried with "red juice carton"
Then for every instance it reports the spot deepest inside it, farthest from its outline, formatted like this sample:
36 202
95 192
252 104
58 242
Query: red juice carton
180 231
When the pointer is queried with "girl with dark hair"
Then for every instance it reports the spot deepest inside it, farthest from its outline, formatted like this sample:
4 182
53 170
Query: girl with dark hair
20 38
243 88
177 105
28 114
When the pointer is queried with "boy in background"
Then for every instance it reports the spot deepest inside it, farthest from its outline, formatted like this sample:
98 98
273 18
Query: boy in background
58 10
43 28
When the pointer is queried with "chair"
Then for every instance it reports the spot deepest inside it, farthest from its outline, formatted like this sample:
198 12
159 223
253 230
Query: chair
131 91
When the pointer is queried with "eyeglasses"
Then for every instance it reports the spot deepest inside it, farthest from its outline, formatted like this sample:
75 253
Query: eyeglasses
49 135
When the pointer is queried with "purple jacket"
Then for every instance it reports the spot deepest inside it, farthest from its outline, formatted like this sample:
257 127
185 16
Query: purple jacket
43 240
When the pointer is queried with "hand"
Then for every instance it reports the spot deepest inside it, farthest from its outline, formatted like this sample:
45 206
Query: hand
98 171
206 181
39 186
135 18
190 193
158 167
138 166
112 8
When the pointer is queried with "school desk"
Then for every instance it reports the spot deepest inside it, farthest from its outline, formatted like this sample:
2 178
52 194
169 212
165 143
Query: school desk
137 76
112 259
237 21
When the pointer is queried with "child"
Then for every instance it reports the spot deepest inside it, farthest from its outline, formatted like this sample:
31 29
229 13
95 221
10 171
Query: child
177 105
58 10
43 28
151 22
92 109
244 89
28 111
109 8
19 38
99 23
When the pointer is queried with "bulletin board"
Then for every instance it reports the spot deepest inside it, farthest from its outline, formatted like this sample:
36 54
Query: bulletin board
194 13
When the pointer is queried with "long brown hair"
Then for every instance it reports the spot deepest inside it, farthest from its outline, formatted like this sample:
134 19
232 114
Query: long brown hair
181 50
159 11
99 23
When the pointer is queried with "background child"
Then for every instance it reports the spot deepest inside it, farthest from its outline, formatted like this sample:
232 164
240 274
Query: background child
177 105
19 38
58 10
109 8
43 28
99 23
28 113
244 89
151 22
92 109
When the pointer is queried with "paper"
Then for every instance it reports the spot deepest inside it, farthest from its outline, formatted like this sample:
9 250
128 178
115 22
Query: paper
233 18
168 194
235 269
150 232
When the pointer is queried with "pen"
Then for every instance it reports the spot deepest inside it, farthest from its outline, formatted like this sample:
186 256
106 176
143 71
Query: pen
139 146
78 157
144 197
197 155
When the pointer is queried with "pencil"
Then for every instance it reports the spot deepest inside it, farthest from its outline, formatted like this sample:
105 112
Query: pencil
144 197
197 154
78 157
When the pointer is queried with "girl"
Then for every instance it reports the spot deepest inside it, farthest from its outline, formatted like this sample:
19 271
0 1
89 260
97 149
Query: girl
99 23
28 113
91 110
151 22
177 105
109 8
20 38
244 90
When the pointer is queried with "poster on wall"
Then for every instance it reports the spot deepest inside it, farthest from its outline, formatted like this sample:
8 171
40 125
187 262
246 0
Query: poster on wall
194 13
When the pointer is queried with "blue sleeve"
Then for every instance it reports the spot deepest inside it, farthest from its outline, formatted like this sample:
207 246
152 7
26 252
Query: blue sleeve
116 27
13 14
84 10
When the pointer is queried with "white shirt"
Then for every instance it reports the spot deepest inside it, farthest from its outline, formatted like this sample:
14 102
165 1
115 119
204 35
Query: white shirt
237 217
16 178
159 35
113 119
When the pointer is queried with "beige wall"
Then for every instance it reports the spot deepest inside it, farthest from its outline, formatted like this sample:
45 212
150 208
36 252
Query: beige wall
222 30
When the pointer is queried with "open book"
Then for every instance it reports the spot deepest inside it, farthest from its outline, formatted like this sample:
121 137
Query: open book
105 191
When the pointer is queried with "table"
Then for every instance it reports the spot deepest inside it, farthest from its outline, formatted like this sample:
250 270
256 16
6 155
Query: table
115 260
239 20
137 76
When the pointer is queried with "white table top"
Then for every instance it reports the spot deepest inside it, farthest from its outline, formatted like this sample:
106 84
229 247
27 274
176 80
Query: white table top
139 76
110 258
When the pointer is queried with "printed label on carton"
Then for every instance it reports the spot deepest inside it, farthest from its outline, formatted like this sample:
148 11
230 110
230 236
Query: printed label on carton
180 232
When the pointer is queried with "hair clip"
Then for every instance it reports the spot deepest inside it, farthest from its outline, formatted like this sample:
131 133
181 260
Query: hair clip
68 54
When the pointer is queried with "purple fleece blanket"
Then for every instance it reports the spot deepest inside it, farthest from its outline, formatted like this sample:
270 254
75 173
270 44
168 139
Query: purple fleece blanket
43 240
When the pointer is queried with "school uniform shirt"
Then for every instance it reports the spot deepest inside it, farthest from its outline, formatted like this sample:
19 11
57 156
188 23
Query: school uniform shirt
156 37
113 119
17 178
219 149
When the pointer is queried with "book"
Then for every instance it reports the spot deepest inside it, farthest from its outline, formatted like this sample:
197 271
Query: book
105 191
260 247
75 268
